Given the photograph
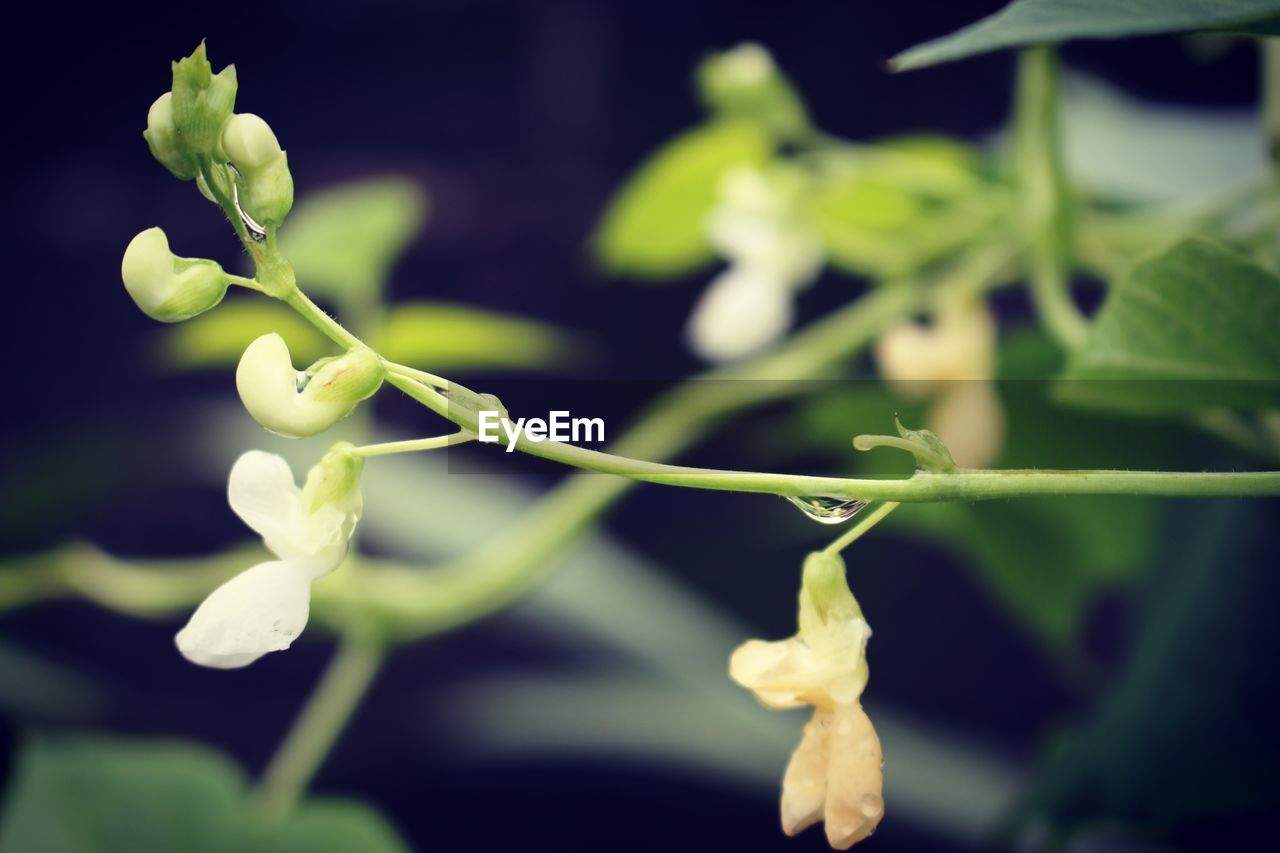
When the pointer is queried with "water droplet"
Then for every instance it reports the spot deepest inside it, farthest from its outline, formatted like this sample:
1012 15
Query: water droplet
257 232
828 510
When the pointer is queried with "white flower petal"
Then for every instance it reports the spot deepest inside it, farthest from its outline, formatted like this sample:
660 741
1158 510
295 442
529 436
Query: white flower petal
261 490
268 387
258 611
741 312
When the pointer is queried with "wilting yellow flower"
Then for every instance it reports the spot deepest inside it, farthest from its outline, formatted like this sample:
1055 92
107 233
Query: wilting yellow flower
835 773
950 363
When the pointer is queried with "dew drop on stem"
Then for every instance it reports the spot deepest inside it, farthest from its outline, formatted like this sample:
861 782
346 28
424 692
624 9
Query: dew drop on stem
826 510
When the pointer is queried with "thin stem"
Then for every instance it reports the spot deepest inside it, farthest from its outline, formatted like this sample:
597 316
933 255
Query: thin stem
862 526
1046 213
250 283
322 719
434 443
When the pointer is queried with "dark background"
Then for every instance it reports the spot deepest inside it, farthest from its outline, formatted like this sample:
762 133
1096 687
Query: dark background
520 118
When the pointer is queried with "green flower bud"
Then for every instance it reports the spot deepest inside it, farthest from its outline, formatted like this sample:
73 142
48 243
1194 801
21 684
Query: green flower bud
296 405
335 479
202 103
166 287
249 142
266 193
744 82
827 589
162 139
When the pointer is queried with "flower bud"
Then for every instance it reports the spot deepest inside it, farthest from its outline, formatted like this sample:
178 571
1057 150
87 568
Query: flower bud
168 288
296 404
202 103
266 193
827 589
745 82
249 142
162 139
335 479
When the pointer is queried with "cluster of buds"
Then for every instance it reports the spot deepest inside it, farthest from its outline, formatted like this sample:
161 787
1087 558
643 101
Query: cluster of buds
194 133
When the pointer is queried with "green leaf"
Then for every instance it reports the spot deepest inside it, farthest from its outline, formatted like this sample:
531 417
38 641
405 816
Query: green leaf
444 336
1191 328
900 205
218 338
1028 22
100 796
343 241
655 225
330 826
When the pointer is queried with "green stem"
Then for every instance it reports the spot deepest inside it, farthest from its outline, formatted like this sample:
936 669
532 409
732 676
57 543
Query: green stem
1046 212
415 444
325 714
862 526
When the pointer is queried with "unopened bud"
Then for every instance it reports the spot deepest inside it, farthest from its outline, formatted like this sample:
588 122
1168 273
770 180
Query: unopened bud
162 139
297 404
166 287
202 103
249 142
745 82
826 588
335 479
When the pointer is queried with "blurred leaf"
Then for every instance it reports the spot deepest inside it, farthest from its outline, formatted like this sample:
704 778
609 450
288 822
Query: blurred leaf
329 826
218 338
92 797
1191 328
343 241
1140 151
1187 732
1030 22
655 224
443 336
745 83
899 205
98 796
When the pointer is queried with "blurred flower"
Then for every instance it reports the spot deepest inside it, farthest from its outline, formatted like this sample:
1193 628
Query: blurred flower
264 608
759 227
297 404
950 363
835 773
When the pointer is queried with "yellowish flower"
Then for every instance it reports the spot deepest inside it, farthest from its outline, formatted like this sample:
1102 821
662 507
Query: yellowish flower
835 773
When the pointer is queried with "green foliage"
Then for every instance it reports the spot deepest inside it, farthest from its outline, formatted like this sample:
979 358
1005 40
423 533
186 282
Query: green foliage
655 225
447 336
343 241
1190 328
100 796
744 83
1029 22
218 338
892 209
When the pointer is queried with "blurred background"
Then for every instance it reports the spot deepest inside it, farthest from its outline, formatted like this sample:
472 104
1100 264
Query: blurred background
1097 673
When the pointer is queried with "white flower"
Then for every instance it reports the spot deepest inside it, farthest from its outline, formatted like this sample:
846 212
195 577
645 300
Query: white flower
835 773
264 608
741 312
951 363
296 404
772 253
